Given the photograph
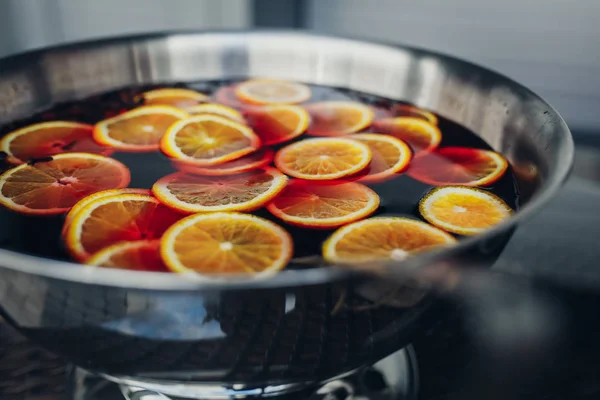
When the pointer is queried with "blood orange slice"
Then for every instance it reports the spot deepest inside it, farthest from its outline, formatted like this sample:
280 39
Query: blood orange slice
258 159
141 255
242 192
323 158
217 109
314 205
50 138
390 156
54 186
338 118
226 244
138 130
458 166
381 239
272 91
420 135
113 219
406 110
277 123
176 97
226 95
463 210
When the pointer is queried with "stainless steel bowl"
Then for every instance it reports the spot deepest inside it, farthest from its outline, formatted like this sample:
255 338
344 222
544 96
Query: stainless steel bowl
158 327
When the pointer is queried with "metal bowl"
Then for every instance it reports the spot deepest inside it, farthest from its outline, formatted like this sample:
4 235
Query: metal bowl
301 325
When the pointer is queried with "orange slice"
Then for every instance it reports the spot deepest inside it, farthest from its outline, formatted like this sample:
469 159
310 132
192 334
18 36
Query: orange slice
277 124
242 192
323 158
459 166
337 118
50 138
54 186
463 210
208 140
226 95
406 110
390 156
383 238
141 255
217 109
272 91
226 243
258 159
176 97
314 205
420 135
137 130
113 219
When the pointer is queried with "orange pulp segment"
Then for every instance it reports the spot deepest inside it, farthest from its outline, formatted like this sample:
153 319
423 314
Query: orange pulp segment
458 166
258 159
112 219
241 192
49 138
137 130
463 210
420 135
216 109
390 156
323 158
405 110
176 97
276 124
226 243
54 186
272 91
208 140
314 205
381 239
338 118
141 255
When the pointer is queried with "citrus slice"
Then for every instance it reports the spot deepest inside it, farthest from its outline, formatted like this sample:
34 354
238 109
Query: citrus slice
226 95
208 140
278 123
141 255
323 158
389 155
383 238
225 244
54 186
314 205
463 210
272 91
420 135
50 138
242 192
216 109
458 166
113 219
137 130
406 110
176 97
252 161
337 118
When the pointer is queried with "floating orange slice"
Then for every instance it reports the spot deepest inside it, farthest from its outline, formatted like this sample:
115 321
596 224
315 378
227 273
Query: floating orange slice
272 91
278 123
176 97
406 110
50 138
390 156
338 118
420 135
314 205
217 109
141 255
208 140
138 130
323 158
384 238
226 95
463 210
54 186
113 219
242 192
258 159
226 243
459 166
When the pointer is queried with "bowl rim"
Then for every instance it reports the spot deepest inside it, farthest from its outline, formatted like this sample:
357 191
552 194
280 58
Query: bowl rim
75 273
